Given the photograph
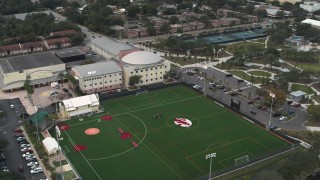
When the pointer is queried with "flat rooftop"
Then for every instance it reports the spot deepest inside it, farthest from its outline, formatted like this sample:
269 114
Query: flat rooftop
19 63
68 53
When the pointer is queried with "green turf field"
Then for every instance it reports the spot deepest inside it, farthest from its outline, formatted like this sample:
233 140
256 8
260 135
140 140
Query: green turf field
166 151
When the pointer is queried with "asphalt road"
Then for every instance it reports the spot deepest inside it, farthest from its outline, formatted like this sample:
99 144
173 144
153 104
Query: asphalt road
13 153
261 115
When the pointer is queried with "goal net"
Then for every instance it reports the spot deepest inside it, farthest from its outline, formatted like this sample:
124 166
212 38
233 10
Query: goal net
241 160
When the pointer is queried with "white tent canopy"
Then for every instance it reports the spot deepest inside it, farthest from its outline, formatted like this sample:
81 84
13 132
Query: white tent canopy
51 145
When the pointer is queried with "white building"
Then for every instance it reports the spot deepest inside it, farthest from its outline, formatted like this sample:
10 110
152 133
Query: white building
111 49
50 145
310 6
290 1
297 96
79 106
39 69
312 22
148 65
99 77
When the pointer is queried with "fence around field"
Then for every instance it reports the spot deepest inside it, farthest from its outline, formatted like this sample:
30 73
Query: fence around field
106 96
251 162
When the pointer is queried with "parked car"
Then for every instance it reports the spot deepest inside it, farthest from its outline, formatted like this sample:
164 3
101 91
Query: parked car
17 130
24 141
24 145
233 94
297 105
35 171
32 163
197 87
256 98
263 108
282 118
240 80
18 135
212 83
259 107
273 127
54 93
276 114
250 102
32 157
65 90
253 112
69 94
229 75
21 138
190 73
25 149
27 154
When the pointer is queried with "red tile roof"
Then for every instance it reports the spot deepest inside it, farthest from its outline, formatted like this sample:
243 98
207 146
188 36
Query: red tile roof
32 45
10 47
58 40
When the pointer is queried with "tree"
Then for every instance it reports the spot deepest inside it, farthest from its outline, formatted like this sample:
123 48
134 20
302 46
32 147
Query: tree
28 87
173 20
314 111
171 73
132 10
61 76
280 97
135 79
76 39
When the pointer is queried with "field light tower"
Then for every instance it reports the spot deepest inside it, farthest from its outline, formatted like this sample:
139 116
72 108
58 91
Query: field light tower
272 96
210 156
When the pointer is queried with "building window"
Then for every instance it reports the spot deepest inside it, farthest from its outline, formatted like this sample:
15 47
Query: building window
146 69
120 79
165 66
106 82
151 79
160 77
150 69
156 78
85 85
120 74
110 75
147 80
156 68
110 81
141 81
95 83
100 82
136 71
131 72
111 86
161 72
105 76
146 74
89 84
151 74
160 67
141 70
156 73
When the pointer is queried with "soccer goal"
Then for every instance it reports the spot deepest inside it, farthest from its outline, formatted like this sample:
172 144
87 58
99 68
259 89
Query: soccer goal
241 160
141 92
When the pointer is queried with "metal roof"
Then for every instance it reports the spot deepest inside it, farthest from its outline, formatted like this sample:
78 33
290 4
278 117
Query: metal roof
141 57
311 22
18 63
111 45
298 93
97 69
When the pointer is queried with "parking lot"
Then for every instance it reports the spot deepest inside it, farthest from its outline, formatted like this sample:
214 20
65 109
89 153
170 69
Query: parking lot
248 106
13 154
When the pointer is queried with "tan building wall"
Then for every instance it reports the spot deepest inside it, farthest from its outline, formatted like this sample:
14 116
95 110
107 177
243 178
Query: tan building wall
152 73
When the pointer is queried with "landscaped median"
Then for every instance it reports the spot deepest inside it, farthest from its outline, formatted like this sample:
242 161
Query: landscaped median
249 77
260 73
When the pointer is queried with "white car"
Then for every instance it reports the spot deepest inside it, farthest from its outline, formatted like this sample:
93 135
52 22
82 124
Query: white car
283 118
212 83
27 154
26 149
30 157
21 138
197 87
35 171
32 163
34 166
24 145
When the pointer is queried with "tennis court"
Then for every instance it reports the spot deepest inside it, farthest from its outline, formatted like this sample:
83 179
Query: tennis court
174 129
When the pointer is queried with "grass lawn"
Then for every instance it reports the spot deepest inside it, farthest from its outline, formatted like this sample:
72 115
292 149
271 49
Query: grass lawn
309 67
260 73
306 89
69 175
57 163
232 48
166 150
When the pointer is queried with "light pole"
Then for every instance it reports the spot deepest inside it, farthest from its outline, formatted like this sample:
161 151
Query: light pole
210 156
272 96
91 74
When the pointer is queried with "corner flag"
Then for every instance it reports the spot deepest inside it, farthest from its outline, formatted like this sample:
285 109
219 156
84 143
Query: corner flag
58 131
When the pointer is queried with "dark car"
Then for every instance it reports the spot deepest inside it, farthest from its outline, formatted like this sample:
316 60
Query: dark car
297 105
273 127
276 114
69 94
229 75
263 108
256 98
222 87
65 90
233 94
190 73
259 107
253 112
250 102
240 80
